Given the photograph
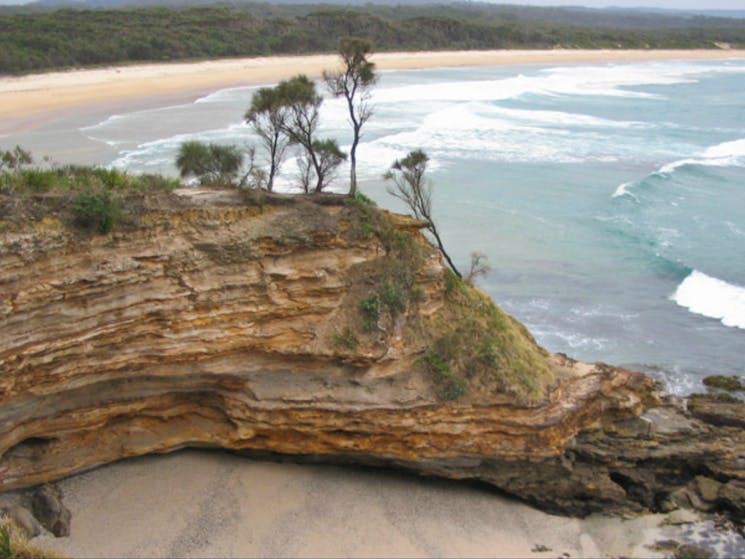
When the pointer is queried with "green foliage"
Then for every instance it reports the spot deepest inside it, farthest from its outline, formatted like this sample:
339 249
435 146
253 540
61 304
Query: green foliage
268 116
452 282
362 201
392 276
346 339
95 210
5 550
212 164
353 82
370 309
452 386
393 296
14 159
45 39
16 176
480 342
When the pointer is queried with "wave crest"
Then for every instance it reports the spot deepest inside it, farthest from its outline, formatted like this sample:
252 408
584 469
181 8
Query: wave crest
712 297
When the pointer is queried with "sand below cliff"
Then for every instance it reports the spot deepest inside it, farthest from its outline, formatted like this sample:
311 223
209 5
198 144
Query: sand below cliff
33 100
214 504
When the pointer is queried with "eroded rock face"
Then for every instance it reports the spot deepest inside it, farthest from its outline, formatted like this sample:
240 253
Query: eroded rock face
308 329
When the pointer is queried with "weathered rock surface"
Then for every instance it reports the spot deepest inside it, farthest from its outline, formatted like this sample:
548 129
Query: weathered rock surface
319 331
50 511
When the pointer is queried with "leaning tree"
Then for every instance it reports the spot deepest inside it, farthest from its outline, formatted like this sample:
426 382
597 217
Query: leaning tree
410 186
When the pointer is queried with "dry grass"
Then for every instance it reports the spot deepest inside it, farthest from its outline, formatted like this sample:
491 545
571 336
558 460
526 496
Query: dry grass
20 546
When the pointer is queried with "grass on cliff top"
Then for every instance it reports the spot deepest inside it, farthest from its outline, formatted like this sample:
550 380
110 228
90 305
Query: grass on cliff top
485 350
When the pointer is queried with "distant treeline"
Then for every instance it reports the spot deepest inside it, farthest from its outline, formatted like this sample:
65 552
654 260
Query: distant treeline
39 40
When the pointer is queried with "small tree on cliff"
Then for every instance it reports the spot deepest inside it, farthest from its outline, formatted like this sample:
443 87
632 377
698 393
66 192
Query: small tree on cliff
321 157
411 187
354 82
268 116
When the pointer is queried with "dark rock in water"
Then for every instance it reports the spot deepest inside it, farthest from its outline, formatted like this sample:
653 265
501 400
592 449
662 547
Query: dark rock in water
731 383
23 519
688 551
48 508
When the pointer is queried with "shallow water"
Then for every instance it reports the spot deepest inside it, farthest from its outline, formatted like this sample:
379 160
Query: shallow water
609 198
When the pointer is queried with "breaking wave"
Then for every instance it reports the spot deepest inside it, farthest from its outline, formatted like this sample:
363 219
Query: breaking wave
712 297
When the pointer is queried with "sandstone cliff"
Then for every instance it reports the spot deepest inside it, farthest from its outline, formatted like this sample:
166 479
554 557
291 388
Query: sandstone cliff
322 329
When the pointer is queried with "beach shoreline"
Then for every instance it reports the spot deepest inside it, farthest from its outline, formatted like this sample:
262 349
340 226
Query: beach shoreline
28 102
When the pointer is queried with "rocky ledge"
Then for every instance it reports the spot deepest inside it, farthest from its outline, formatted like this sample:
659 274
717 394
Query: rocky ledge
326 330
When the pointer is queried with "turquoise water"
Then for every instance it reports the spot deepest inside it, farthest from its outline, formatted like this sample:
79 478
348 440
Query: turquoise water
609 198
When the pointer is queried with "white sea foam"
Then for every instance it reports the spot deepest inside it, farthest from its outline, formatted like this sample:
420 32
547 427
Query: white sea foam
712 297
476 131
724 150
604 80
623 190
726 154
228 95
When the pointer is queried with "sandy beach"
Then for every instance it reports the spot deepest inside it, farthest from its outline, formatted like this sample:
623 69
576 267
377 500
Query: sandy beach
33 100
213 504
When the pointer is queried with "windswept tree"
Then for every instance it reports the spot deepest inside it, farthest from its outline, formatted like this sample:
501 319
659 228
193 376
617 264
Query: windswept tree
354 82
410 187
267 116
209 163
303 104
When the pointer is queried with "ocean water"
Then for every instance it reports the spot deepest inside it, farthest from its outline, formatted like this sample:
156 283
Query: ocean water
608 198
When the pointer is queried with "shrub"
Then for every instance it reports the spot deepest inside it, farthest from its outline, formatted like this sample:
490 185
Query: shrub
346 339
393 297
453 386
95 210
370 309
209 163
37 180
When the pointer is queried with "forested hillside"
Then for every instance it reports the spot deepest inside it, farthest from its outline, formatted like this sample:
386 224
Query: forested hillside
37 38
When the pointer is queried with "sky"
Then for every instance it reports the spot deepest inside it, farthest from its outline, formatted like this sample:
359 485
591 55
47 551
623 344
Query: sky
670 4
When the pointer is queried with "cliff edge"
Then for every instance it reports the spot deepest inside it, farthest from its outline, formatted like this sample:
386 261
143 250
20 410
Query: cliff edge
325 329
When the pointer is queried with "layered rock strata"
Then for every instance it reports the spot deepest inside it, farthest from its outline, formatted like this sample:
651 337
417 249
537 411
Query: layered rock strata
326 331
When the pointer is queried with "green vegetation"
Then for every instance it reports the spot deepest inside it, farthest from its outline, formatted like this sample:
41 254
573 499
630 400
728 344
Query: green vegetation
18 174
268 116
477 342
95 210
354 83
453 387
95 194
5 551
411 187
346 339
35 39
731 383
15 545
210 163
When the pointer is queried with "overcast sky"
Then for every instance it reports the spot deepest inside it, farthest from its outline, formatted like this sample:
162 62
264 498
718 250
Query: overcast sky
672 4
